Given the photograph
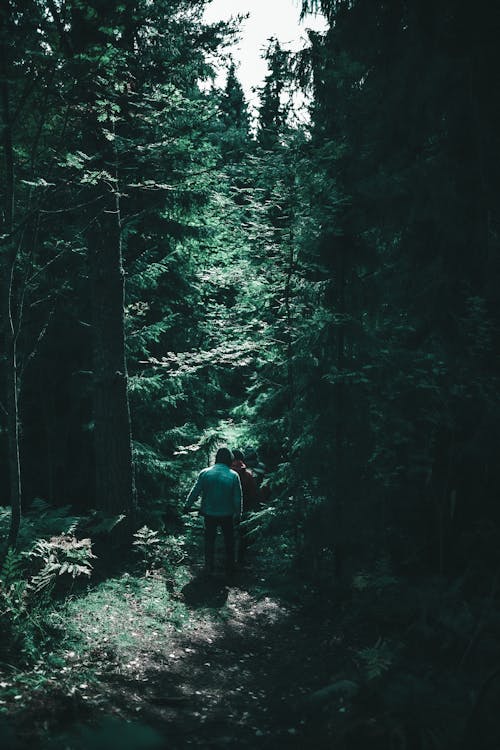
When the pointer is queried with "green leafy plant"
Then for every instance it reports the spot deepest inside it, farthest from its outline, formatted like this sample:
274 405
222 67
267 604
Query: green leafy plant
377 659
58 556
18 624
147 543
12 586
12 567
174 550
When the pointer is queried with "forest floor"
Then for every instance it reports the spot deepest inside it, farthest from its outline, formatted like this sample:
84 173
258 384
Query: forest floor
146 662
167 659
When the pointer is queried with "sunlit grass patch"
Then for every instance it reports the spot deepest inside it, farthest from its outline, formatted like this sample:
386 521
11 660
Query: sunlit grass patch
122 628
123 614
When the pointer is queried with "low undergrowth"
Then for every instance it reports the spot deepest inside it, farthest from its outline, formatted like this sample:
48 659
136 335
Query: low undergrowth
374 660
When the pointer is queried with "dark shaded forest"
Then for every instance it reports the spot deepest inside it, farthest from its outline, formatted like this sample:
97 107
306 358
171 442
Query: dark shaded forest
321 291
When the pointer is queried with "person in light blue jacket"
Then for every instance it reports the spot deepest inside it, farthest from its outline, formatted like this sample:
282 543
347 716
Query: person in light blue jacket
221 505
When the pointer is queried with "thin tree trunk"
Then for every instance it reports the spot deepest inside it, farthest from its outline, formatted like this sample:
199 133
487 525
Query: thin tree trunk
339 390
12 403
289 326
339 480
8 260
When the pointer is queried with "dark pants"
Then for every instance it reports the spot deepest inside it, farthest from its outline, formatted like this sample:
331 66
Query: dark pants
226 524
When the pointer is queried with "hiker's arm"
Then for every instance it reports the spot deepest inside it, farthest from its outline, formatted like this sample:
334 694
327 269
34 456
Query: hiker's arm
193 495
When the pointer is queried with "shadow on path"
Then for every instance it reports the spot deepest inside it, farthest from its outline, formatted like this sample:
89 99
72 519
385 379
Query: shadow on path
205 591
231 667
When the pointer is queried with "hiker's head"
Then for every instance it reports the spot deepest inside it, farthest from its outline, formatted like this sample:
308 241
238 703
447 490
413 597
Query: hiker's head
251 455
224 456
238 455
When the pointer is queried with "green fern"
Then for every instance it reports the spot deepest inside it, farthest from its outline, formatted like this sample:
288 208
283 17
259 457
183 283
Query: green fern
42 521
45 578
4 522
377 659
58 556
12 568
147 543
12 588
174 550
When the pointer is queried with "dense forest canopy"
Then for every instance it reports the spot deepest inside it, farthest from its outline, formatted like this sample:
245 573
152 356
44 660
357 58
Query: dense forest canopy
176 277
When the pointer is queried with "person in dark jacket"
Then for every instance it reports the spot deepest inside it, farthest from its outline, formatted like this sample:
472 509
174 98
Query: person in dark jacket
250 500
221 505
259 471
247 479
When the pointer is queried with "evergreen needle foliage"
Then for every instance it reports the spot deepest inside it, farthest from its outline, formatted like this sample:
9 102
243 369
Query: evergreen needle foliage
322 291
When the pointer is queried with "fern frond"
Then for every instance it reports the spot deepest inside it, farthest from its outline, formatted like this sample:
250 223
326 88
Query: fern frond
12 568
377 659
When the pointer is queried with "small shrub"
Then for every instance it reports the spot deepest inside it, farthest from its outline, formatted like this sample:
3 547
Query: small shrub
15 623
28 578
174 550
148 545
58 556
377 659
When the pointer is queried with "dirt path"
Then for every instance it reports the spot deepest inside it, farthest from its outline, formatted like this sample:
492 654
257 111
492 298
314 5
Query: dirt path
225 664
233 679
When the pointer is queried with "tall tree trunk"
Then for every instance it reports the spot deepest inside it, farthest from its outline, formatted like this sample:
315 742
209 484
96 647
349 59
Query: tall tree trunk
8 260
114 472
12 405
339 390
340 483
112 430
290 270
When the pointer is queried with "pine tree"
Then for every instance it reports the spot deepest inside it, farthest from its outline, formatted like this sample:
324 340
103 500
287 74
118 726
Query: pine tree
233 105
410 176
122 166
272 111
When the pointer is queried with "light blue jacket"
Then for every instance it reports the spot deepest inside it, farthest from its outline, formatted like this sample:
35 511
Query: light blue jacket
220 490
